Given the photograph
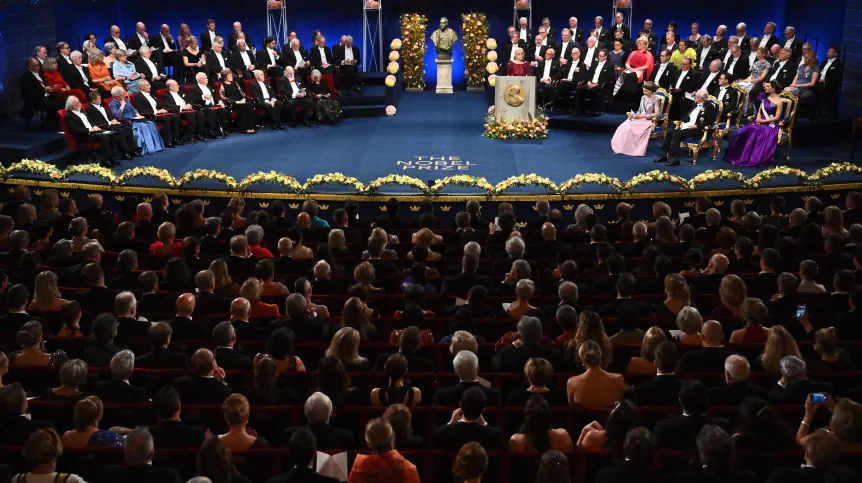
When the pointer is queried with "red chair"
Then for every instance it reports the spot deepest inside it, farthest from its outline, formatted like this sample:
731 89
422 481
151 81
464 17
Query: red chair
84 146
330 83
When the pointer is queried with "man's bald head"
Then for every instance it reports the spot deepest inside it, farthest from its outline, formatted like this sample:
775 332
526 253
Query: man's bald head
285 245
549 231
239 309
145 211
718 264
203 362
736 368
713 334
185 305
303 220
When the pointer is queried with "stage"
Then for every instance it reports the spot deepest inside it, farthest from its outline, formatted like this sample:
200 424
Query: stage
431 137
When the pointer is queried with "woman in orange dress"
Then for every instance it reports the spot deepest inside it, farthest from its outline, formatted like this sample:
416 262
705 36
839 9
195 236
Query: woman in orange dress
54 79
101 75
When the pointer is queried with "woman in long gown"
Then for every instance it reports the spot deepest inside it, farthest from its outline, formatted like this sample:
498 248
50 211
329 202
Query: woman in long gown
518 66
754 144
632 136
639 65
194 59
328 109
146 133
233 93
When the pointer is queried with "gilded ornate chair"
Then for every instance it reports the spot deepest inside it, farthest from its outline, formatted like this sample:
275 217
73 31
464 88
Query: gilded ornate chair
659 124
724 127
788 120
708 139
739 114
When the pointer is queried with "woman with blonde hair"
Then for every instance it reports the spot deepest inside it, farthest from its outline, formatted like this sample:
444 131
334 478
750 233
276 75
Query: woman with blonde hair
689 322
46 296
251 290
425 238
345 346
595 388
833 222
677 297
224 286
239 436
357 315
61 90
236 205
166 245
100 73
590 327
378 233
86 432
645 363
41 451
806 78
733 293
755 314
364 274
32 355
779 344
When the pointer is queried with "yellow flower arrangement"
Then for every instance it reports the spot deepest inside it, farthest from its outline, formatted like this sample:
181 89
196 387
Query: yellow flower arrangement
332 178
92 170
531 179
269 177
474 27
395 44
413 27
492 80
390 81
461 180
392 68
147 172
532 128
491 44
394 56
208 174
654 176
395 179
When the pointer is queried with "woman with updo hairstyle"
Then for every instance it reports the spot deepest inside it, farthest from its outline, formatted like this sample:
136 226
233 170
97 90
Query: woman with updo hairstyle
31 354
828 356
47 296
239 436
385 464
732 292
677 297
177 276
266 391
396 391
725 240
554 468
279 346
644 364
86 432
755 314
399 417
425 238
252 290
236 205
537 432
470 463
215 461
590 327
596 387
166 245
41 451
779 344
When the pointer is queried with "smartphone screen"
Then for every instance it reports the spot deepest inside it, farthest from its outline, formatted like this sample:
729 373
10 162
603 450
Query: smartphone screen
818 398
800 311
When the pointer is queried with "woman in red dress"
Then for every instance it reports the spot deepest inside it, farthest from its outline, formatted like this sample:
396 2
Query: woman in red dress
639 66
518 66
61 88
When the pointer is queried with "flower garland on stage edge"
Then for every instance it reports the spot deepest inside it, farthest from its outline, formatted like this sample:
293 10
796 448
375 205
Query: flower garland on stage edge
474 28
531 128
291 184
413 26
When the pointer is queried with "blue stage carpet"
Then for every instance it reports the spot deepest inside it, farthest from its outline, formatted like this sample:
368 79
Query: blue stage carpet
447 127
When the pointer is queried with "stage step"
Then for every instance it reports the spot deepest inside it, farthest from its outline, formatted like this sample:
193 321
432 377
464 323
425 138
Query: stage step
374 78
30 145
369 95
373 110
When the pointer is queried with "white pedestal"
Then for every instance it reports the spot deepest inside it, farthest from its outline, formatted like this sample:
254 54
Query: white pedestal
444 76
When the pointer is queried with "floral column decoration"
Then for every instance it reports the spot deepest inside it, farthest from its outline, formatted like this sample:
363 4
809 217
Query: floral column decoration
474 28
413 26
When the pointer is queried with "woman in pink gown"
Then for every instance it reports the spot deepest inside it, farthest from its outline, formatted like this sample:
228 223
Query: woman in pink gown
518 66
632 136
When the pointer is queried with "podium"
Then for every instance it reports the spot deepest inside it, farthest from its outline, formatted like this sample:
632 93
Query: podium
515 98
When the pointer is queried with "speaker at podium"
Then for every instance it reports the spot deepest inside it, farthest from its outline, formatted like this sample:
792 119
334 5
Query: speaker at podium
515 98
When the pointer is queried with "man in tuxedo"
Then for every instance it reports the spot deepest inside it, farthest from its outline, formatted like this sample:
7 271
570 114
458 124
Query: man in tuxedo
207 385
151 68
794 385
297 96
650 35
680 433
265 95
227 358
467 424
218 59
466 366
118 390
602 34
318 410
214 111
321 57
140 38
302 445
550 32
81 129
97 298
547 72
663 71
160 356
139 450
638 451
706 53
17 297
323 283
590 52
171 432
669 42
565 48
765 283
116 39
148 105
695 121
514 358
737 371
791 42
347 57
737 65
710 357
664 388
164 43
460 284
17 426
768 39
831 78
233 38
619 26
783 71
507 52
524 31
182 324
535 52
206 301
242 59
408 345
577 33
682 82
597 77
37 94
104 119
742 38
175 100
625 286
295 56
710 280
78 76
268 59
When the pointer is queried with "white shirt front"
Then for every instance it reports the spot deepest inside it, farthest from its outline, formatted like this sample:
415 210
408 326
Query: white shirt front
661 69
764 40
150 99
322 55
348 52
692 117
83 117
572 68
709 78
598 72
101 110
165 41
220 58
83 75
245 59
512 54
212 36
120 43
546 74
523 33
153 70
588 60
271 56
732 65
825 69
263 89
294 89
721 92
682 76
789 43
739 40
142 39
207 95
545 41
752 58
703 56
778 70
563 49
298 55
538 52
727 56
39 78
177 99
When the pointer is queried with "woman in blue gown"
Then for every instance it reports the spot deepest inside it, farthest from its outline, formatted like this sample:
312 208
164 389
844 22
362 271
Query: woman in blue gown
146 133
754 144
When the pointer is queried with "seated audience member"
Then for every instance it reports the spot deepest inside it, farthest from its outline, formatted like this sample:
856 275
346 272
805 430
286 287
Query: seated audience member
97 298
73 374
779 344
629 334
645 364
468 278
828 356
755 314
539 374
716 451
396 391
16 298
265 390
595 388
207 385
808 271
553 467
711 357
690 323
207 302
41 450
401 420
470 463
638 450
160 357
567 319
536 432
467 424
139 451
150 301
31 340
822 454
226 357
677 294
680 433
239 437
408 345
514 357
166 245
760 428
662 390
318 410
844 423
171 432
279 346
118 389
296 96
736 373
17 424
86 432
252 290
182 324
590 327
610 438
384 464
345 347
625 286
524 290
794 385
466 365
215 462
303 447
732 292
46 296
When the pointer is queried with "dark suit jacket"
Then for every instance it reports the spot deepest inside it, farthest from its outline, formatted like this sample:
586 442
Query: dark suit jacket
230 360
328 437
706 283
257 92
450 397
733 393
119 391
76 126
186 328
705 359
11 323
740 70
162 358
713 54
302 475
680 433
288 58
206 43
176 435
786 73
75 80
808 474
143 105
262 59
235 60
579 74
660 391
457 434
763 283
140 474
144 69
796 392
316 60
150 303
611 308
730 102
15 431
230 42
157 43
201 390
209 303
531 52
706 117
506 51
462 283
237 266
96 299
514 358
554 72
666 76
628 472
338 54
32 91
834 77
563 53
689 84
704 476
326 286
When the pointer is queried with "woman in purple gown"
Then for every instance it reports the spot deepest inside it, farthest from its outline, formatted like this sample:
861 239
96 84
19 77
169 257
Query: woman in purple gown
754 144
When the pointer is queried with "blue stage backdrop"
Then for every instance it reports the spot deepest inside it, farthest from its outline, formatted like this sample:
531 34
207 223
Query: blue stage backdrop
821 21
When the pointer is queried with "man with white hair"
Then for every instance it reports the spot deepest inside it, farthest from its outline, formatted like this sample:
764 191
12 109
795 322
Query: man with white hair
323 283
591 51
217 58
706 53
318 409
524 30
791 42
297 96
514 357
710 78
151 68
77 76
794 386
710 280
139 450
347 57
693 124
466 366
265 95
737 370
321 56
104 119
233 38
295 56
83 131
118 389
175 99
242 59
507 51
148 105
742 38
214 111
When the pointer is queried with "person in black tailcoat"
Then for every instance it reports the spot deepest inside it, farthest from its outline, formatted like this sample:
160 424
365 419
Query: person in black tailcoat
728 96
694 122
81 129
737 66
638 451
737 370
595 80
321 56
347 57
269 58
296 96
243 60
160 357
682 82
547 72
171 432
295 56
207 385
99 116
266 99
175 101
214 111
151 69
663 71
716 457
207 36
150 106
